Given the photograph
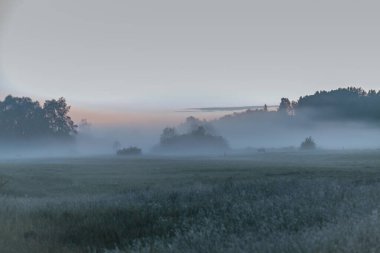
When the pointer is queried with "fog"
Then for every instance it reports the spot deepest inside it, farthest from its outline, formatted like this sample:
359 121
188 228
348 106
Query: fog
101 139
328 135
240 131
250 129
271 130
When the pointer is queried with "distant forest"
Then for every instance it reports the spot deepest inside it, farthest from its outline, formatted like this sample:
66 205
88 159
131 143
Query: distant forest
23 118
343 104
351 115
340 104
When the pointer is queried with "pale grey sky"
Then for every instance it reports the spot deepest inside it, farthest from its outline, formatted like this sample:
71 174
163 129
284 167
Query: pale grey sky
177 54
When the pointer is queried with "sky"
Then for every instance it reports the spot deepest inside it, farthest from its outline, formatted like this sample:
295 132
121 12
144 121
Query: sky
147 55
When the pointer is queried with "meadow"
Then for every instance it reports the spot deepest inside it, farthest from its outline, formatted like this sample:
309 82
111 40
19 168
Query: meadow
323 201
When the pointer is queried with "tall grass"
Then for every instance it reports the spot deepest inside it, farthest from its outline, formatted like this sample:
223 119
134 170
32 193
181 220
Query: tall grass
283 210
272 215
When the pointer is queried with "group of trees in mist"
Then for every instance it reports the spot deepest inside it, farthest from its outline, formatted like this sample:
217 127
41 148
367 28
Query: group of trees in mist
23 118
199 137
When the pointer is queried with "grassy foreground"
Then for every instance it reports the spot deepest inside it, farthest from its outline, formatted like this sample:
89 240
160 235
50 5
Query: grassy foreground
273 202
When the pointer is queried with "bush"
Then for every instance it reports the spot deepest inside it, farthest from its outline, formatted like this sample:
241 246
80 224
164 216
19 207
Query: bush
198 141
132 151
308 144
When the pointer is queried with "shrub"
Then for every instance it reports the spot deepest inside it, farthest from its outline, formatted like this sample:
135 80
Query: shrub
131 151
308 144
197 141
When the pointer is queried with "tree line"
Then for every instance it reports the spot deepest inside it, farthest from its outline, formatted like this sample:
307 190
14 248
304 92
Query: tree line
340 104
23 118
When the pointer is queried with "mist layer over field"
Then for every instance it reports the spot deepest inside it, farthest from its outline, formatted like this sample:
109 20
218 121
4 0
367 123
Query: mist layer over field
257 129
252 132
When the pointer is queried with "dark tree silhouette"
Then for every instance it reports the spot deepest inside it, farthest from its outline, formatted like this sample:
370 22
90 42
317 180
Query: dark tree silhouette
23 118
285 105
56 114
308 144
342 104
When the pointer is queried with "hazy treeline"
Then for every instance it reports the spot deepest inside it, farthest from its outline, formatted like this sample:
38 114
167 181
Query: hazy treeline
341 118
340 104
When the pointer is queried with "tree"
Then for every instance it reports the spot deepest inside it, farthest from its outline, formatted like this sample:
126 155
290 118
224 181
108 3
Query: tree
200 131
56 114
285 105
21 118
372 93
168 134
192 123
308 144
195 141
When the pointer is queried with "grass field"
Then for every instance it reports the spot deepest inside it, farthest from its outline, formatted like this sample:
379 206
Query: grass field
267 202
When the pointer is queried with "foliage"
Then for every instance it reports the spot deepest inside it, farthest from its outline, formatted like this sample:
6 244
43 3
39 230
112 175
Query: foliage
56 114
197 140
308 144
131 151
342 104
21 117
167 135
192 124
285 105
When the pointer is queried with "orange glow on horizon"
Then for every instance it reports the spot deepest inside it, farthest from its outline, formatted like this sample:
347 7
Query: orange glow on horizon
139 117
105 117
